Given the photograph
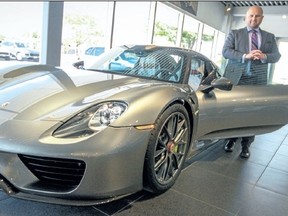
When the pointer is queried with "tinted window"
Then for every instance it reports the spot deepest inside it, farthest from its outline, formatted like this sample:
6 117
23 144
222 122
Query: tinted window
98 51
197 69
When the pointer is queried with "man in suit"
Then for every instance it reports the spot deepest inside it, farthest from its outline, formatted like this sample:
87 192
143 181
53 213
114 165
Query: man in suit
249 50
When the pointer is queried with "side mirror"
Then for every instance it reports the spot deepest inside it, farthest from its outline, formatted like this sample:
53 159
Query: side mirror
79 65
221 83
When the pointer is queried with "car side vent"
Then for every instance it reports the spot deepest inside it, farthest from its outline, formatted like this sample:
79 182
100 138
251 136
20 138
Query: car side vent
55 171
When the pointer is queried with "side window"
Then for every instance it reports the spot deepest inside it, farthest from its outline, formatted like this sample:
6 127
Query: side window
89 51
5 43
196 74
210 73
98 51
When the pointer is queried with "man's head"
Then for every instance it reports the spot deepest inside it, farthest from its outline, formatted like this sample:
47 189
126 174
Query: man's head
254 17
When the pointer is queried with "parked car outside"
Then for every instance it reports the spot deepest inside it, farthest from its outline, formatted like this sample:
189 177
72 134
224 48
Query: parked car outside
124 61
4 52
69 56
89 137
89 56
20 51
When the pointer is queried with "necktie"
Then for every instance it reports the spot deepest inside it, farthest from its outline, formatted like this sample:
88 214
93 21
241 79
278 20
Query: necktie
254 40
254 46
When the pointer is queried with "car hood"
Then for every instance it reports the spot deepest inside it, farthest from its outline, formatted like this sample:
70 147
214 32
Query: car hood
32 51
44 93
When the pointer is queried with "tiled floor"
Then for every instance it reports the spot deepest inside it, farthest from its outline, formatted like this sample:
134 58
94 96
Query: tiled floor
213 183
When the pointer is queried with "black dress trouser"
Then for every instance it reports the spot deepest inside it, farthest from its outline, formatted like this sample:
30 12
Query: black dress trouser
245 142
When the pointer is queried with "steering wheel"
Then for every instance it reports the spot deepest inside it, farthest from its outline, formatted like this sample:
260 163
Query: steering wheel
166 74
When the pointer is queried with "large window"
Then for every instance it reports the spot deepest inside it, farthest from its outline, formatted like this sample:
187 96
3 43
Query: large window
90 28
21 22
280 75
131 24
207 41
85 25
190 33
219 43
166 25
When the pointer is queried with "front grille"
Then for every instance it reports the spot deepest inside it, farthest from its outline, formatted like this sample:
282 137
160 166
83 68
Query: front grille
55 171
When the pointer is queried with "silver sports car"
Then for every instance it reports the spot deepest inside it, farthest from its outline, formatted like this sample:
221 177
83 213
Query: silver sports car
126 123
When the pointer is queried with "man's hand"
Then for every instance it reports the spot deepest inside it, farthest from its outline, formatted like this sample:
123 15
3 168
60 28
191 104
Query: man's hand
255 55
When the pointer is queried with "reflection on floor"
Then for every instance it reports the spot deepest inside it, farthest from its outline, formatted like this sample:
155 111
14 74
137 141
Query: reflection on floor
213 183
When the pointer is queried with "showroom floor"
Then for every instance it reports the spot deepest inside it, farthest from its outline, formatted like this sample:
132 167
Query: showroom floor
212 183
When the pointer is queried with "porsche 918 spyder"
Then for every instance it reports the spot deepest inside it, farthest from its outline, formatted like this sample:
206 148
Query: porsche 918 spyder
83 137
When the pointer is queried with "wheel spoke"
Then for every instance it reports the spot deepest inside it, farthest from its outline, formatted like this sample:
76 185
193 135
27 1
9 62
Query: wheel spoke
166 130
171 127
161 149
176 159
162 141
180 135
160 152
170 168
181 129
167 174
164 169
175 120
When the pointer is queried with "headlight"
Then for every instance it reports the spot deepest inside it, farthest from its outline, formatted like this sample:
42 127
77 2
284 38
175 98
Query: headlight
91 121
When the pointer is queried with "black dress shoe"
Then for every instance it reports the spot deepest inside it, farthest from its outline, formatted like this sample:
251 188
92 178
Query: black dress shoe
229 146
245 153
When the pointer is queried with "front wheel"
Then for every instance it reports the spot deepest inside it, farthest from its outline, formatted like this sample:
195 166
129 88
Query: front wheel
167 149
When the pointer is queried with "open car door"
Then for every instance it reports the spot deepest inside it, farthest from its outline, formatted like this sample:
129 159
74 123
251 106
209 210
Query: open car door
244 110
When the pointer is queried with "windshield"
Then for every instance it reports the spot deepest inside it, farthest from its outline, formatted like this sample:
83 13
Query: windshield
95 51
165 64
20 45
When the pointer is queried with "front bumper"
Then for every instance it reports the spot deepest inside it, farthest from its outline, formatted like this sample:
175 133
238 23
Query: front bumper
29 57
5 55
114 160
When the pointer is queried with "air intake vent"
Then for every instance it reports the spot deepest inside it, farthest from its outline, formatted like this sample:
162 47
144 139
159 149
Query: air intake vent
55 171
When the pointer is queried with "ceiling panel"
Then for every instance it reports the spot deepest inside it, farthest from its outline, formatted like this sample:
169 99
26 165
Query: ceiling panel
255 3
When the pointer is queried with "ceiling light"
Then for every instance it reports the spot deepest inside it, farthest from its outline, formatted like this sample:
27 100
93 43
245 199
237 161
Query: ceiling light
228 8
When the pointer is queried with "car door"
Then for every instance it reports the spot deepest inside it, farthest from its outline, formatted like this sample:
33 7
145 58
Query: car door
243 111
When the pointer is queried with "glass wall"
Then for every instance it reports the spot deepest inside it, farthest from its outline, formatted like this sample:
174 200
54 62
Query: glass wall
166 25
131 24
190 33
280 75
21 27
85 25
217 52
89 28
207 41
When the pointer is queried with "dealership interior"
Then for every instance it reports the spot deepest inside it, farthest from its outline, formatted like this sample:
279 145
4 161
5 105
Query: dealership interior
213 182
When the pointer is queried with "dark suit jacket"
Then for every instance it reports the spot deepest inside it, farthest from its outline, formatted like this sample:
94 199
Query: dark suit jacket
237 44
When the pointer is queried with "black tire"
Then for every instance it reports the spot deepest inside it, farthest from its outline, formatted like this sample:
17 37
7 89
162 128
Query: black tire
167 149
